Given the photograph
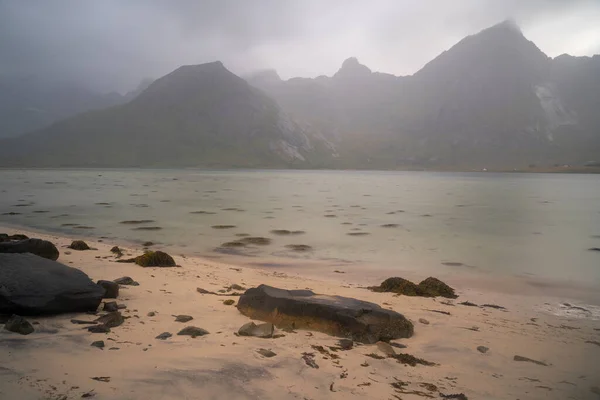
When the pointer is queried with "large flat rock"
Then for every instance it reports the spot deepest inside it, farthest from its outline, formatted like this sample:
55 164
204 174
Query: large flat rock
39 247
335 315
32 285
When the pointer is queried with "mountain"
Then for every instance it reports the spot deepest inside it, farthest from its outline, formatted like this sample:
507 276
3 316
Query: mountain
492 100
198 115
31 103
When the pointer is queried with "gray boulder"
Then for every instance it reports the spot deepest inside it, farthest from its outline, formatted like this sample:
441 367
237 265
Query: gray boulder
32 285
39 247
339 316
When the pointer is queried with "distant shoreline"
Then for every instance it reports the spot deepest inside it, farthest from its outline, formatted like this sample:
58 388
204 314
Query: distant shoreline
534 170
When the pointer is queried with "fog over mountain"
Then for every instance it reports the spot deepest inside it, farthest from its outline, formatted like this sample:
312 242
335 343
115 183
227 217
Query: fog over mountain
111 45
493 100
338 84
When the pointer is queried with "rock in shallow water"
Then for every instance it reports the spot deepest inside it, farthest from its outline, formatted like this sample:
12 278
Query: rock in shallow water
18 324
39 247
338 316
33 285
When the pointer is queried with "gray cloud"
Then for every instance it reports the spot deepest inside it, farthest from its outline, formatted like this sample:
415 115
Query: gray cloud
112 44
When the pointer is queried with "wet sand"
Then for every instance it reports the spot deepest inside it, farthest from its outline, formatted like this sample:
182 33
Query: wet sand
57 361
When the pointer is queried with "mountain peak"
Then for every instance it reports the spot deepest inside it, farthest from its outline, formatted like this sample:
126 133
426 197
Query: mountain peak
507 25
351 68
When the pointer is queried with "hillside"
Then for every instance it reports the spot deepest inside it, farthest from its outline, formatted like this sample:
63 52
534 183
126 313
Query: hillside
200 115
493 100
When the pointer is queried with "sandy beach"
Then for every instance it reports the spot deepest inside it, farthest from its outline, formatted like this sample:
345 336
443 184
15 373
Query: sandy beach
57 361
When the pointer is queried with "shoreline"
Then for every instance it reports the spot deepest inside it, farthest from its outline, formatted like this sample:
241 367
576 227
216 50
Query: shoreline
57 360
358 273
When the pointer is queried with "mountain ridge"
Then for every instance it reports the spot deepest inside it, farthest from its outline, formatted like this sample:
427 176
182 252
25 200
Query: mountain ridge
493 100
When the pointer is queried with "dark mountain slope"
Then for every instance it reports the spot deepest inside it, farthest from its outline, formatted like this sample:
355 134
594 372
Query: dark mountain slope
200 115
27 104
492 100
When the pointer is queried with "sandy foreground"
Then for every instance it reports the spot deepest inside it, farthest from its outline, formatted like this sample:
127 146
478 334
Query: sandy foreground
57 361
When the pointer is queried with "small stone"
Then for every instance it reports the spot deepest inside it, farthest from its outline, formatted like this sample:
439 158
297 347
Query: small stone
126 280
192 331
526 359
110 306
79 245
346 344
482 349
100 328
423 321
266 353
98 343
386 348
183 318
164 336
111 320
153 259
116 250
309 359
111 289
235 286
151 314
262 331
19 325
228 302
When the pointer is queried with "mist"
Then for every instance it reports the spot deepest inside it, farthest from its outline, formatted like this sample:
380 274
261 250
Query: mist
113 45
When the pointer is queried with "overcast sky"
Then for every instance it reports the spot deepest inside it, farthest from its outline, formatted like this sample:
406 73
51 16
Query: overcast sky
113 44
